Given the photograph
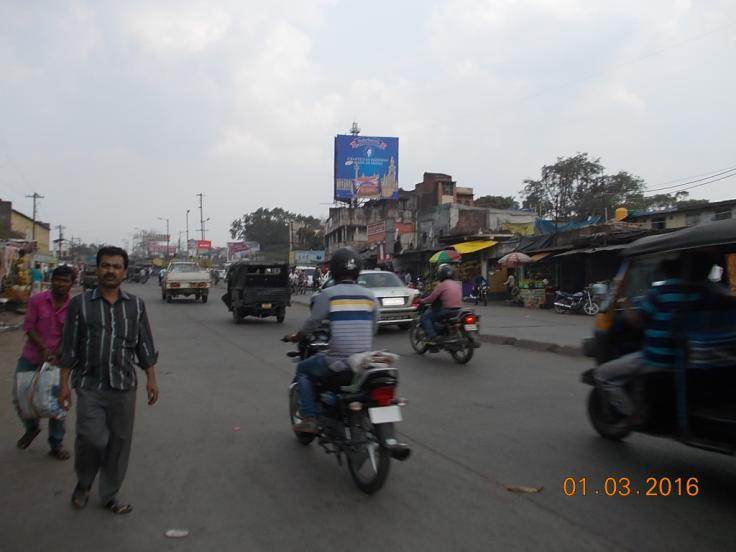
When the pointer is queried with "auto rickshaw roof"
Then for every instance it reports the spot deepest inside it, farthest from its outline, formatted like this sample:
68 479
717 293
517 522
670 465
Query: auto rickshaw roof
711 234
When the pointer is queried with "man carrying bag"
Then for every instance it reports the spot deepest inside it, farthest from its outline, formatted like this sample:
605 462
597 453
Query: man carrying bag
43 325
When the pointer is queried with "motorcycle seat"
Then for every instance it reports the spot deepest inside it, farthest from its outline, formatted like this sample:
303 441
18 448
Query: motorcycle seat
450 315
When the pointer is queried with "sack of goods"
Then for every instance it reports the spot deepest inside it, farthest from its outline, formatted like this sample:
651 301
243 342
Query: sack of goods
36 393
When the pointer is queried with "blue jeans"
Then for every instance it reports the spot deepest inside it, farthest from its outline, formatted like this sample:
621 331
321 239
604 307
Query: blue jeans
57 429
307 373
429 317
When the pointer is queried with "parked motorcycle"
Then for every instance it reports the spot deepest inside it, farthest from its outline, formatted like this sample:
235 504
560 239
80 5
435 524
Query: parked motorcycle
355 415
576 302
457 333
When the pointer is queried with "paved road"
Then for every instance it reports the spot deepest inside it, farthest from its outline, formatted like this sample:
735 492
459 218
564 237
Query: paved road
510 417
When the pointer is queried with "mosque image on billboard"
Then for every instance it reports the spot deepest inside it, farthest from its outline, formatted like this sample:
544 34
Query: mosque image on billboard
366 167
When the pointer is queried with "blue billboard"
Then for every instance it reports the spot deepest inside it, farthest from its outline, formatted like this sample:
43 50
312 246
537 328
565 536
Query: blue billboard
366 167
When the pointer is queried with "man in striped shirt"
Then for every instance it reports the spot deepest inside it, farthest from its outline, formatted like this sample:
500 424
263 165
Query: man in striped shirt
352 312
106 332
656 315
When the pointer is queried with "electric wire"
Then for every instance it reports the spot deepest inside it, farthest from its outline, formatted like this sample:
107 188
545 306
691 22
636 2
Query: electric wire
680 185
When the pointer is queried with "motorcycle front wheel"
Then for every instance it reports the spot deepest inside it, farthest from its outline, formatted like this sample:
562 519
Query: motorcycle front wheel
369 462
295 416
416 338
591 309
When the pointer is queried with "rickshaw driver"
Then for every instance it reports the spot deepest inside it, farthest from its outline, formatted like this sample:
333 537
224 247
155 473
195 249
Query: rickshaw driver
655 316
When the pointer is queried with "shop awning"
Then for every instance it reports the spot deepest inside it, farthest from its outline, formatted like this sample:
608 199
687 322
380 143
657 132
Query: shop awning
540 256
591 250
473 246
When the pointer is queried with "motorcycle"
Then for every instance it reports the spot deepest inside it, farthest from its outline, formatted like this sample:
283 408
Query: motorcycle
355 414
479 293
457 333
575 302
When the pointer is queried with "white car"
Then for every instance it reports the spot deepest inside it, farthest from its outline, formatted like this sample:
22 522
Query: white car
397 301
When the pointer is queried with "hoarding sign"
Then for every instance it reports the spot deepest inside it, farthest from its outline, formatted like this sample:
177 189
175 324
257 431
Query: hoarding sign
307 257
366 167
376 232
204 244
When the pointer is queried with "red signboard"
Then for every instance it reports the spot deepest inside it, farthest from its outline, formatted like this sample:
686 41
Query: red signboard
204 244
237 247
376 232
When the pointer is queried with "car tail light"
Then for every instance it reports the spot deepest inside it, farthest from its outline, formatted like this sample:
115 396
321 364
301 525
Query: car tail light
382 396
175 284
415 301
470 319
203 284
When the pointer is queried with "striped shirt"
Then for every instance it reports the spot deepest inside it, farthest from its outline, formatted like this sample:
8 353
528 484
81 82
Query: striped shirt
103 341
352 311
662 308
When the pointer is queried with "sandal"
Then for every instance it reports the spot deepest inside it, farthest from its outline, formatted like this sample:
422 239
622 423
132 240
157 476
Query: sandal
119 508
80 497
25 441
59 454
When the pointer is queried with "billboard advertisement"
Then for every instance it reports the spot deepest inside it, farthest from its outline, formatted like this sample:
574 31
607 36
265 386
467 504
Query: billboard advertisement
204 244
366 167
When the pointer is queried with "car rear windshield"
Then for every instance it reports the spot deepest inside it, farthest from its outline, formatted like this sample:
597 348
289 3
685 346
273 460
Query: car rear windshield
185 268
379 280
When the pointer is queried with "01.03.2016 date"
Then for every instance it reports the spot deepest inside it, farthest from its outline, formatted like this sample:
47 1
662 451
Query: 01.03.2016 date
625 486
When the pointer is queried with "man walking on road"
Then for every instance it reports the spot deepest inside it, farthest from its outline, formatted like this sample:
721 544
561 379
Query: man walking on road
43 326
105 330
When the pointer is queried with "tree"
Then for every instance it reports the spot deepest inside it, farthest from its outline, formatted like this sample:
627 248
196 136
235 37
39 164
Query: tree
270 228
555 194
497 202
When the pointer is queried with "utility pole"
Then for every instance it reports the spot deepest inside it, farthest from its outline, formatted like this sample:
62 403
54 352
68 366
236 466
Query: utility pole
201 215
60 241
35 197
187 233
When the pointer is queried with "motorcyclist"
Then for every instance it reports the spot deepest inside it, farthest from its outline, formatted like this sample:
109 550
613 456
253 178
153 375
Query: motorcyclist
478 282
352 312
449 292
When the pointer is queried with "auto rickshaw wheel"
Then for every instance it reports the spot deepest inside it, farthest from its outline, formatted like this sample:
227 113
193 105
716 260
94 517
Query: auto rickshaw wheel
608 423
281 315
236 316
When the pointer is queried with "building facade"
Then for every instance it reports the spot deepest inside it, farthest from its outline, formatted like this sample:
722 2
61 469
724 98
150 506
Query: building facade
685 216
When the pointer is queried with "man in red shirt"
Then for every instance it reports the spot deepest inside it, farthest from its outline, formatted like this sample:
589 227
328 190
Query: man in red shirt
43 326
449 292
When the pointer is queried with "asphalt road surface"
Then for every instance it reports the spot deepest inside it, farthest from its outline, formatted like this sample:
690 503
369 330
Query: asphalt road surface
216 457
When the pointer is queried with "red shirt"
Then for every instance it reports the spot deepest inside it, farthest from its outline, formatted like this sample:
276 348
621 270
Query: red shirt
46 321
449 291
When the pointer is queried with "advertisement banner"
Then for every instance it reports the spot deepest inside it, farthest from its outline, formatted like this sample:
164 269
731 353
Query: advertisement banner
154 237
366 167
204 244
376 232
156 248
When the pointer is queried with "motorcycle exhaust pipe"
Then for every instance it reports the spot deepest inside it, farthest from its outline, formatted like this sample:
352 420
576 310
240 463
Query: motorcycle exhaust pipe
563 305
399 451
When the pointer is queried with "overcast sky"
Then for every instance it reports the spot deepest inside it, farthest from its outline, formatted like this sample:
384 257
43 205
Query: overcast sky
120 112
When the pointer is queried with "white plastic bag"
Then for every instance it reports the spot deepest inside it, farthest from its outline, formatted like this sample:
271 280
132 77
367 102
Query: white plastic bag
37 393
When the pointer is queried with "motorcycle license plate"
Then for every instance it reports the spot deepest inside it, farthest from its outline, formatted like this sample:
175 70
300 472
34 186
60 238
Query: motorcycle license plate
385 414
266 306
471 327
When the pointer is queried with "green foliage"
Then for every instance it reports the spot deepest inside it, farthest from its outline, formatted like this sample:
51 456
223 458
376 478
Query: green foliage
577 187
496 202
270 227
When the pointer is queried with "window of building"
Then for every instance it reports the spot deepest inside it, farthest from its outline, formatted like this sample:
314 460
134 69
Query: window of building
691 219
447 188
659 223
722 215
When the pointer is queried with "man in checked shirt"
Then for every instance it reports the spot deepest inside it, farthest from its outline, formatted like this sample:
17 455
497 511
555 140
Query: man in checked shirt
106 332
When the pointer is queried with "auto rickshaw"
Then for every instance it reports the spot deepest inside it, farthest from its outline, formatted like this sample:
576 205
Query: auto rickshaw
695 402
257 289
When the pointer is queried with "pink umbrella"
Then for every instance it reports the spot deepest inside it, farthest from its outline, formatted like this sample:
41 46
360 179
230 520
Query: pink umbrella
514 259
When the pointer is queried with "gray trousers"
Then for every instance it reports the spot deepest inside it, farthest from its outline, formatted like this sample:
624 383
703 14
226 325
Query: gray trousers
104 436
611 377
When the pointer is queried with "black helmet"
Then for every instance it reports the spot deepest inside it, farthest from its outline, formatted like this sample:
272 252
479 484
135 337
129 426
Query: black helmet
445 272
345 265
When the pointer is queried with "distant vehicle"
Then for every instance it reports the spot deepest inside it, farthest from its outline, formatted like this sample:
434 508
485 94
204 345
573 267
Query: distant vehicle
397 302
89 276
187 279
309 271
257 289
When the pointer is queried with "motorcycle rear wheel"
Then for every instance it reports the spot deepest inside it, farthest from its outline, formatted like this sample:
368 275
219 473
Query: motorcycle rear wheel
463 356
416 338
369 463
303 438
